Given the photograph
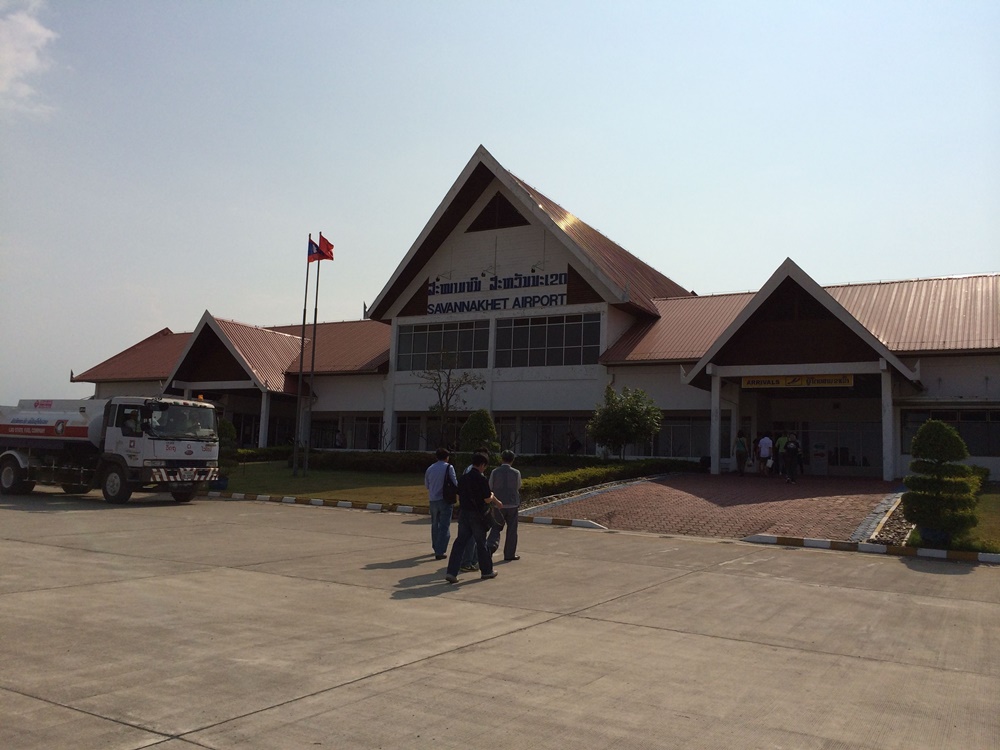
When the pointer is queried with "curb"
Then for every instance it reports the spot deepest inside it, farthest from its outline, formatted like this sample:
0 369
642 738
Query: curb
390 508
878 549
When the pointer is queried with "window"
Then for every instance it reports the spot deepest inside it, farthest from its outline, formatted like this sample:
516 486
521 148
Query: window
979 428
364 433
408 433
433 346
550 341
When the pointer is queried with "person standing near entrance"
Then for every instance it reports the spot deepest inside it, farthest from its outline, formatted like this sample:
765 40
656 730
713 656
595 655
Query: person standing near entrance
505 481
779 453
790 459
474 494
764 446
440 508
741 450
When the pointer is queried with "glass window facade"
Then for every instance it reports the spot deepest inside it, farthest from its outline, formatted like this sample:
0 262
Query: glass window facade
432 346
979 428
549 341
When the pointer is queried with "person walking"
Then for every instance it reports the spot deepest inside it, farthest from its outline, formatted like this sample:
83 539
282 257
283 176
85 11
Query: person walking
505 481
741 450
474 495
764 457
790 459
440 508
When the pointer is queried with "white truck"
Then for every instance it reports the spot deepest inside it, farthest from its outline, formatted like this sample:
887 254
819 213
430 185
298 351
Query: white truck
121 445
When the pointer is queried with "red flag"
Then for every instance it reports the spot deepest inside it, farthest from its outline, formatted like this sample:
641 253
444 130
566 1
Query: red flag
325 248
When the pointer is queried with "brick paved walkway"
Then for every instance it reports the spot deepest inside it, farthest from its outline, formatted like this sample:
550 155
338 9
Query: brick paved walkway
733 506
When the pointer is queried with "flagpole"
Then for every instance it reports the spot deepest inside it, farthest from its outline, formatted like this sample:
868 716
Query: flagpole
302 358
312 366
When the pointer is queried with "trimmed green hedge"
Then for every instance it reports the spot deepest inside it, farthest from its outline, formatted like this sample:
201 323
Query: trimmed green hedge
568 481
255 455
583 471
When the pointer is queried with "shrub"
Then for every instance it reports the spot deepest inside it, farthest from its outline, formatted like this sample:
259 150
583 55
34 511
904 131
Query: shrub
941 494
479 431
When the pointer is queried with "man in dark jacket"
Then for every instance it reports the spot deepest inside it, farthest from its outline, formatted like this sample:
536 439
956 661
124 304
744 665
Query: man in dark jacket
474 495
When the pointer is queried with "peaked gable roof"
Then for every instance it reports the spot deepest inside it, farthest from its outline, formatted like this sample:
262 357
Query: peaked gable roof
633 282
262 353
266 355
789 270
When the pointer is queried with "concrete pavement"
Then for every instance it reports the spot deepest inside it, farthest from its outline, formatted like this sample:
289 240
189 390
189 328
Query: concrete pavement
245 624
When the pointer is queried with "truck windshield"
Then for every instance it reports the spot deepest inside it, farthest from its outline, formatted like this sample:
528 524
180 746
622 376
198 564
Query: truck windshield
173 421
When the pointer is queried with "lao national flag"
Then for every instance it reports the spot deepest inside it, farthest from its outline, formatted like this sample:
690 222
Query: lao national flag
314 253
325 248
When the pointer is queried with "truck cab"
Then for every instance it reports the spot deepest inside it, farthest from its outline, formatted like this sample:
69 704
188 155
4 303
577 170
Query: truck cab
163 443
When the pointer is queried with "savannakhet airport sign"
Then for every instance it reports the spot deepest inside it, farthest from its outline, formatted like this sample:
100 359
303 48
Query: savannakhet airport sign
797 381
516 292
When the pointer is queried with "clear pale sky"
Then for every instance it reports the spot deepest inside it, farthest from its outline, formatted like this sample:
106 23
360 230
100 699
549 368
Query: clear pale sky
158 159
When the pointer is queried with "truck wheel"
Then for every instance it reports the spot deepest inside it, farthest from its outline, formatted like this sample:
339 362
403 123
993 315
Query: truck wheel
186 496
115 486
75 489
12 480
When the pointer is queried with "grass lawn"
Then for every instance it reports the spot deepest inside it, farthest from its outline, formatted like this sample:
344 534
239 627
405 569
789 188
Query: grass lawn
275 478
988 511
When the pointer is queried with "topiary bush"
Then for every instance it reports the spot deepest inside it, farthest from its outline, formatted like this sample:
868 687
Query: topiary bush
941 494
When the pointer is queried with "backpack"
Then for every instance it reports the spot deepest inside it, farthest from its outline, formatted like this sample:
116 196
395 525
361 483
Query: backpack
449 490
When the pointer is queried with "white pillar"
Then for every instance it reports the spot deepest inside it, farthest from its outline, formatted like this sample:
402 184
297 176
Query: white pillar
715 432
734 424
265 418
888 431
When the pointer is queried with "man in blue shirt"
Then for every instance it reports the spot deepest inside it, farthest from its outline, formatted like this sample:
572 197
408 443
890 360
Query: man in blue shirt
440 509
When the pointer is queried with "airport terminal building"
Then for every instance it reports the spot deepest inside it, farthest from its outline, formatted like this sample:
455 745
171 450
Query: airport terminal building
504 282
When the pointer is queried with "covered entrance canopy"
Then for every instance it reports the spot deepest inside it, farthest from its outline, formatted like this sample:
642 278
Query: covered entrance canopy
795 353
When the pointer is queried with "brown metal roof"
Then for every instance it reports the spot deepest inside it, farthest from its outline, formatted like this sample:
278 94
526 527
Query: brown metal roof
354 346
687 326
909 317
152 358
642 282
927 315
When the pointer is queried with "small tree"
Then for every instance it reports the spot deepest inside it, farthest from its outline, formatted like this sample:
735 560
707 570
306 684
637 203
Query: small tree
448 385
228 461
632 417
941 494
479 431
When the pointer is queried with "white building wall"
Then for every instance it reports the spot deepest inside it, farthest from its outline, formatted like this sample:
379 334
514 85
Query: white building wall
663 384
349 393
952 378
129 388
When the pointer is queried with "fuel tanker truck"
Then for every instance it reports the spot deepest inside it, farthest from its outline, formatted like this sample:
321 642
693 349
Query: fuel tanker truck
121 445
